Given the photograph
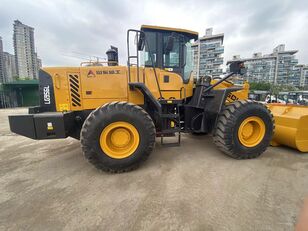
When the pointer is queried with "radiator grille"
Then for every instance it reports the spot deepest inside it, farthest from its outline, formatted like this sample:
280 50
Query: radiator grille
74 90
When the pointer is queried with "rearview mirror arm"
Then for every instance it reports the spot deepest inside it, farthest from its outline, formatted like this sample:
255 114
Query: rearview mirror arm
219 82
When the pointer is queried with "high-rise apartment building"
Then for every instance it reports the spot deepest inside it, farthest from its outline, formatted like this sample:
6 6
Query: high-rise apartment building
286 72
259 68
305 77
1 62
302 72
208 51
9 64
25 55
39 64
279 67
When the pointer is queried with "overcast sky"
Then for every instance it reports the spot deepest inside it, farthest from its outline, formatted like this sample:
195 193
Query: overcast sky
67 30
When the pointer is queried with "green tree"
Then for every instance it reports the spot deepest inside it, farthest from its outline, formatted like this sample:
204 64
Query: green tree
273 88
261 86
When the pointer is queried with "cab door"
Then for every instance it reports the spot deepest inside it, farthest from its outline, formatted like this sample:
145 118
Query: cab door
176 73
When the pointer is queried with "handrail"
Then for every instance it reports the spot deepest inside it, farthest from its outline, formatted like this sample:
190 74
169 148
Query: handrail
184 93
134 56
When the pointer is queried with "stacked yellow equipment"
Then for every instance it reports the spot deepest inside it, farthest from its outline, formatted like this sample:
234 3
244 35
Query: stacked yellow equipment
291 126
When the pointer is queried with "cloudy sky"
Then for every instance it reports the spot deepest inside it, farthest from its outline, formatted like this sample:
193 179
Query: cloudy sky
68 31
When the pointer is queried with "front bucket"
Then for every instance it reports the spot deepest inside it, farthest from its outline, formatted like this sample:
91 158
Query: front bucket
291 126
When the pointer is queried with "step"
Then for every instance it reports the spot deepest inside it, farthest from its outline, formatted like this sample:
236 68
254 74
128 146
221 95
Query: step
171 130
171 144
170 116
160 134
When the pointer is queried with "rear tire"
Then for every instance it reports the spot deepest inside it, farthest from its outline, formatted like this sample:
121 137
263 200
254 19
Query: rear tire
117 114
227 132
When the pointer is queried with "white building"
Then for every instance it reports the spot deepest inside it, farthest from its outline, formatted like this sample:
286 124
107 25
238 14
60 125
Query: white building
208 54
39 64
279 67
1 62
303 73
25 56
10 70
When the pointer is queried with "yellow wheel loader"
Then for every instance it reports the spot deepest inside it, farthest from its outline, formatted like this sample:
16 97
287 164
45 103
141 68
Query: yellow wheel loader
118 111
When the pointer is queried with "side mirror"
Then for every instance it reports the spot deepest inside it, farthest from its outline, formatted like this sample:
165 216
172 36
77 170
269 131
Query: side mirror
141 42
238 67
169 45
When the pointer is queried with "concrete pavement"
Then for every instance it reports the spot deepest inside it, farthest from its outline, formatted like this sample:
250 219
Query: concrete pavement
48 185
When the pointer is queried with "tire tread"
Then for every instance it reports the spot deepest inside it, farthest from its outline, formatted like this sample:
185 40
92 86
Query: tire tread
222 135
95 115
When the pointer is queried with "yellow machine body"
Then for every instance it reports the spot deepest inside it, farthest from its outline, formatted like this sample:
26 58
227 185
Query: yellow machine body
291 126
82 88
236 95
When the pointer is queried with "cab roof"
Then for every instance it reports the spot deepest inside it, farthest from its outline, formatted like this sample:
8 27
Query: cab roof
192 34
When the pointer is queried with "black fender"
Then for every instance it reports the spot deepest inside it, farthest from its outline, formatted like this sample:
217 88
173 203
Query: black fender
215 103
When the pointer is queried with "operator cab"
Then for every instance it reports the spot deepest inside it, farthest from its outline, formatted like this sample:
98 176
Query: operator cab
170 49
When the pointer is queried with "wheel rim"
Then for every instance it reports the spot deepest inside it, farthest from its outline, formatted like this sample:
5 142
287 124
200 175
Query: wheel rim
119 140
251 131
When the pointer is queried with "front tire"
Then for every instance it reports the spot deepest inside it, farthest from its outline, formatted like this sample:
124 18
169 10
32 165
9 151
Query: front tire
244 129
118 137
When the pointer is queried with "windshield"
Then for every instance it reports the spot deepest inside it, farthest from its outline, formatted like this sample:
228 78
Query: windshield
168 50
188 56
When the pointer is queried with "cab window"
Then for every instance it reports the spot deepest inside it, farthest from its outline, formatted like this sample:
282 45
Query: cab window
188 56
171 57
